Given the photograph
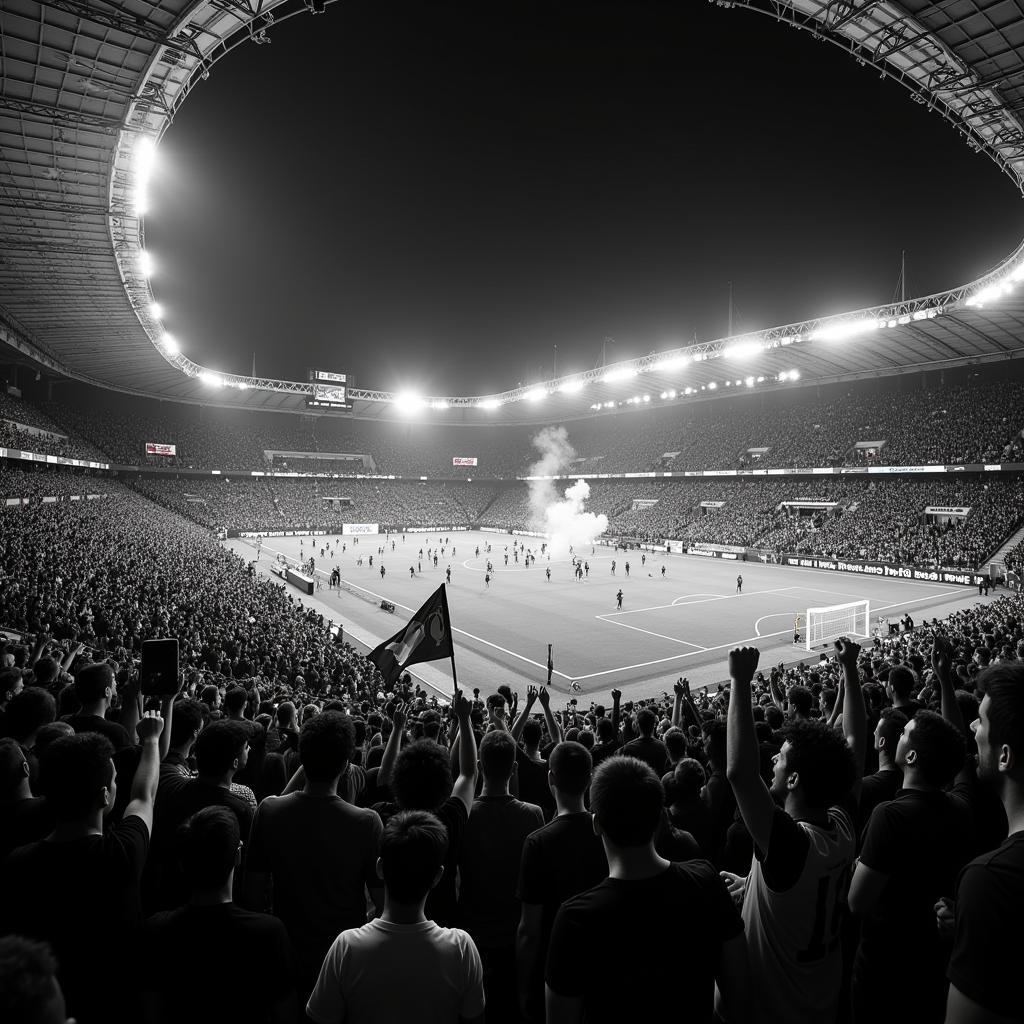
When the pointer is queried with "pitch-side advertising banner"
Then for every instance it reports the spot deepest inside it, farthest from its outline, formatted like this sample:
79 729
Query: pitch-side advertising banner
963 577
458 460
360 529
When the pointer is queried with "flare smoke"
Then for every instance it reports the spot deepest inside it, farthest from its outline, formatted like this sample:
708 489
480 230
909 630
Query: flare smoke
561 518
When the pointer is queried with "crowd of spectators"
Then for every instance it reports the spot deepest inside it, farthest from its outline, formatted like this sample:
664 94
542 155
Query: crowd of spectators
966 419
288 833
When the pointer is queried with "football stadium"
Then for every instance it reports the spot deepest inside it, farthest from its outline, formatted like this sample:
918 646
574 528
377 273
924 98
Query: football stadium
631 492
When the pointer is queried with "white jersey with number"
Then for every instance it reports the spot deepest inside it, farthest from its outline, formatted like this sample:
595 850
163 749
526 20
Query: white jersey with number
793 936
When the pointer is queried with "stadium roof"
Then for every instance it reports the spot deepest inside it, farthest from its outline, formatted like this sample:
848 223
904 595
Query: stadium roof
89 86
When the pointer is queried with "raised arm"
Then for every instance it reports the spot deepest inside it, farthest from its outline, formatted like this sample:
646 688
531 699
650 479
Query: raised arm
855 715
554 729
942 665
677 704
743 759
147 774
394 745
521 719
465 785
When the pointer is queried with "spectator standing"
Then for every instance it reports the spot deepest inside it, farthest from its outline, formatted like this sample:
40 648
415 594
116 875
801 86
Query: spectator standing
212 929
559 861
402 966
96 687
646 747
803 850
984 968
312 855
78 889
649 919
489 862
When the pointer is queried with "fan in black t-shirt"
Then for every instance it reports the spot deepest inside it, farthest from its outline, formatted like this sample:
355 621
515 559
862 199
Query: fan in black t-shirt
649 918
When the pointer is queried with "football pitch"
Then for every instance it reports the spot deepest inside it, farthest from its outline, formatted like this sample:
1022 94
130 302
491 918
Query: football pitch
680 623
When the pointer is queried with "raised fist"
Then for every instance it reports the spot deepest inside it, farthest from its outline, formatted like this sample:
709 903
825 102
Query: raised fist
151 724
743 663
847 651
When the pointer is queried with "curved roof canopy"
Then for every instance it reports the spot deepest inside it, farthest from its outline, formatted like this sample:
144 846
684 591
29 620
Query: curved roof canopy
89 86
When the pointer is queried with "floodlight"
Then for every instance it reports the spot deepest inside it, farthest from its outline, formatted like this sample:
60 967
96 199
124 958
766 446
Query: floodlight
571 387
242 386
536 394
845 329
689 391
742 349
489 403
749 381
671 394
144 157
647 398
711 386
169 344
439 403
213 379
145 263
619 373
609 405
670 363
760 380
407 402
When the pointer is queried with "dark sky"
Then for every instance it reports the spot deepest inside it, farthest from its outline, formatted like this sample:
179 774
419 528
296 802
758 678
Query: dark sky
434 194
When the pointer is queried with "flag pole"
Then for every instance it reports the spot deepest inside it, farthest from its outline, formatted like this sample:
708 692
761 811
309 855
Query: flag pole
447 615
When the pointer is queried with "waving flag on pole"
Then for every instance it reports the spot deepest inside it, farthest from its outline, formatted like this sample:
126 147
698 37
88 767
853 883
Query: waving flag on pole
551 665
427 637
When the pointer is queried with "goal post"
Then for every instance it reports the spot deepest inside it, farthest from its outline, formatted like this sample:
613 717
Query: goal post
830 623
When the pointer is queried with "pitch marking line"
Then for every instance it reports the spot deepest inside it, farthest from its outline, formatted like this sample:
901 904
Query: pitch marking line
649 632
412 611
751 639
684 600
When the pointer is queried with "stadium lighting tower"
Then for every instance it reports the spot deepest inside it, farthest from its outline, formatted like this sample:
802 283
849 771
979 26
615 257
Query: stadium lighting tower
408 402
169 344
145 263
213 379
536 394
489 403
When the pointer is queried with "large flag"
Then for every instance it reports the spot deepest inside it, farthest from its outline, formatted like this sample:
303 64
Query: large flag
427 637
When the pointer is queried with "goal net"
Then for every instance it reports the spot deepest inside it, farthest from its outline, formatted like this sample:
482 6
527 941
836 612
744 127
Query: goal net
827 624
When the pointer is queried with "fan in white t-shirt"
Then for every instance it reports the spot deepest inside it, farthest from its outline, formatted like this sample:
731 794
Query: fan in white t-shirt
403 966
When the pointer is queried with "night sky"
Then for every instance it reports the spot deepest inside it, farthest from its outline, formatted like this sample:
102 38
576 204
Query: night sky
433 195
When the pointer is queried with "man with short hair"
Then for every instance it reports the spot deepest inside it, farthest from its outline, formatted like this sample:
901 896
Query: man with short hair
804 844
898 688
312 855
78 889
29 990
221 750
560 860
489 870
23 817
914 848
887 781
985 965
646 747
211 929
650 919
402 966
96 687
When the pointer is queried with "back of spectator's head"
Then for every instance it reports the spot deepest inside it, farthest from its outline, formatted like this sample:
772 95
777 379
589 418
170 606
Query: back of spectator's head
605 730
587 738
210 695
46 671
29 990
422 776
675 740
29 710
801 700
774 717
570 767
1001 734
325 745
626 798
931 746
901 682
715 742
412 852
208 847
47 734
10 683
532 732
827 699
689 779
820 759
219 746
92 682
286 715
187 721
889 729
235 699
73 774
497 756
13 769
646 720
983 656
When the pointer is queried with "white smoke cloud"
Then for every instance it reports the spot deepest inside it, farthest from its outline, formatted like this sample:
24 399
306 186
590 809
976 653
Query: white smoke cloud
562 518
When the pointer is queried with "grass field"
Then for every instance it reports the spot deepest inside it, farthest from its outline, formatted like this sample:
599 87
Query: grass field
681 624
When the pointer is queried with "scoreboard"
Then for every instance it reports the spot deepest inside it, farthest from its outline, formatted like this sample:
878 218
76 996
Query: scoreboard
330 390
